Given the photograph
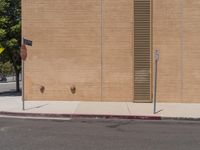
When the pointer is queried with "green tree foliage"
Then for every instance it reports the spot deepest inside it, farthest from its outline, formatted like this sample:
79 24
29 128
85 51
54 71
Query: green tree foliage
6 69
10 34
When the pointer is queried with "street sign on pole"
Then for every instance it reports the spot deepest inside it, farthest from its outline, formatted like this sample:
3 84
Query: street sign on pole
27 42
23 52
157 55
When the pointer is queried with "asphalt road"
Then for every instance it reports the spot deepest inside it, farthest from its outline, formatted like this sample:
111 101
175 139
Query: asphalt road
21 134
8 86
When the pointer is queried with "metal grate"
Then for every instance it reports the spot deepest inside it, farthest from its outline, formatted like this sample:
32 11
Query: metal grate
142 50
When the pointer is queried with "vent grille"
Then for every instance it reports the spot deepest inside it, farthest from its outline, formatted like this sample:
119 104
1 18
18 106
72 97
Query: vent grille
142 52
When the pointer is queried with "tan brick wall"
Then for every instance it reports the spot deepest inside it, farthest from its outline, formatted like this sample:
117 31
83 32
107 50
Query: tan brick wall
176 27
85 43
166 38
117 50
79 43
66 49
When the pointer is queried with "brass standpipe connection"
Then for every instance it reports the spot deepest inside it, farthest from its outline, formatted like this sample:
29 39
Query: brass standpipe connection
42 89
73 89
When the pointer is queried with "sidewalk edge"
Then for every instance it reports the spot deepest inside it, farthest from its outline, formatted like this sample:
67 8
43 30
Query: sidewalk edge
181 118
95 116
92 116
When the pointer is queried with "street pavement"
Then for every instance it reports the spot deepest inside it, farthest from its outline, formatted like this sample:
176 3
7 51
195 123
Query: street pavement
25 134
8 86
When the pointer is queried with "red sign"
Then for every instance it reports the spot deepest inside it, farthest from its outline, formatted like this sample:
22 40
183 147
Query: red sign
23 52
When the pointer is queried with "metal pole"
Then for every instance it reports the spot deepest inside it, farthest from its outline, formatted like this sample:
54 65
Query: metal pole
23 103
155 79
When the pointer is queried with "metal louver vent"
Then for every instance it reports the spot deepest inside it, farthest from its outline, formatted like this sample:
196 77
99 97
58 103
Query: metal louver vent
142 50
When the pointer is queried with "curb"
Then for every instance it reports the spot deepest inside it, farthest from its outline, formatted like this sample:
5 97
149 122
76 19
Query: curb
94 116
181 118
74 116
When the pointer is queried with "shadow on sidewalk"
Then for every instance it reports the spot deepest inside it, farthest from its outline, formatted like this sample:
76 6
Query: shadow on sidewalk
10 93
36 107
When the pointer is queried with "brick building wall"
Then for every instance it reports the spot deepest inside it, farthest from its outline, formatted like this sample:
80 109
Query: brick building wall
176 30
89 45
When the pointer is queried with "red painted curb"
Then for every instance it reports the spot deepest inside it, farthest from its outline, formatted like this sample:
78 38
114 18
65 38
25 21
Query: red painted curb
103 116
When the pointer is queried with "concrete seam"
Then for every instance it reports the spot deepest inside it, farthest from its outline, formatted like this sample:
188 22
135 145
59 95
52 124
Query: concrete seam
76 108
129 111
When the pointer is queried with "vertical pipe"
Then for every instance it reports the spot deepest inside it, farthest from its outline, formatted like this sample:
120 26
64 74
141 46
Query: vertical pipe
181 47
101 21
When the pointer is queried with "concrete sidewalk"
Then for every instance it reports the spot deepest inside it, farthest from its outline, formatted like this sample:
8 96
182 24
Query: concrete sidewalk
13 106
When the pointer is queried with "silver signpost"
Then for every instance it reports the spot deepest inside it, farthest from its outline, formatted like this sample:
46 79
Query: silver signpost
156 57
24 42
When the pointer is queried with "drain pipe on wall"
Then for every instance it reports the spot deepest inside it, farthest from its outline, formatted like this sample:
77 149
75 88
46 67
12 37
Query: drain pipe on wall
156 58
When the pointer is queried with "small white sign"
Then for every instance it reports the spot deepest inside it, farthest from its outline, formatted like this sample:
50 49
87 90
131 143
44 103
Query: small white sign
157 55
